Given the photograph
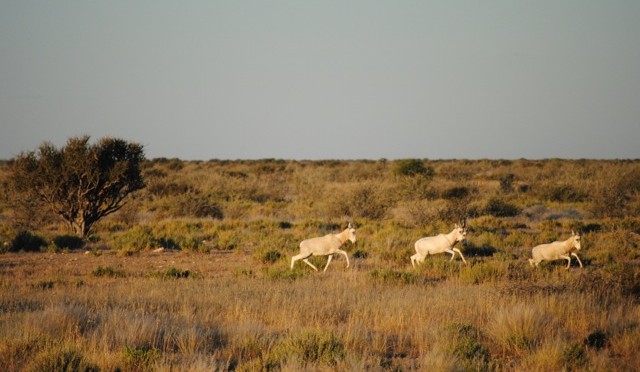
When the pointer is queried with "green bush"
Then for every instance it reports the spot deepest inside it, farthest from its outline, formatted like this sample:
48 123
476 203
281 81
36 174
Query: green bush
271 257
136 239
309 346
499 208
141 359
439 267
465 343
564 194
457 192
108 271
574 355
482 272
27 242
61 360
390 276
173 273
283 274
413 167
68 242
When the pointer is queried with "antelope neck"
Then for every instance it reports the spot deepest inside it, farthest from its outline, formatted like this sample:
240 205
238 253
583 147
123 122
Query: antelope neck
568 244
341 238
448 241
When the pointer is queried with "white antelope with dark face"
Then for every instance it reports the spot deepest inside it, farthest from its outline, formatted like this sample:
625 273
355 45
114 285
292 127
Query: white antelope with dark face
327 245
440 244
557 250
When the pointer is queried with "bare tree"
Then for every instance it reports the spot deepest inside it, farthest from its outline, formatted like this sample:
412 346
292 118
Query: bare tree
80 183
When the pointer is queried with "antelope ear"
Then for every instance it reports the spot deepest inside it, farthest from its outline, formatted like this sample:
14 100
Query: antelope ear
349 227
573 232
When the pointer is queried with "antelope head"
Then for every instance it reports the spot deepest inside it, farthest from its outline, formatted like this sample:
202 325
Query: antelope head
576 240
351 233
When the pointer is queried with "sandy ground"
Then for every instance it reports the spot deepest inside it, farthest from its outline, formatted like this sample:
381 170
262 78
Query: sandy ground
81 264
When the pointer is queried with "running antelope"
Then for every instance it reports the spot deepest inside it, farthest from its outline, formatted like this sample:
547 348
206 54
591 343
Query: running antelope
327 245
440 244
557 250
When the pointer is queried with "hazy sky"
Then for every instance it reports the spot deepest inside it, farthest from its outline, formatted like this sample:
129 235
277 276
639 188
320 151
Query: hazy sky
325 79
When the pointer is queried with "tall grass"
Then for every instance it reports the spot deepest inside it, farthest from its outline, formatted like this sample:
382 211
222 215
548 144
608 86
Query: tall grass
221 296
372 319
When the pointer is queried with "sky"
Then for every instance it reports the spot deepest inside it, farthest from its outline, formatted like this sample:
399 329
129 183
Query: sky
347 79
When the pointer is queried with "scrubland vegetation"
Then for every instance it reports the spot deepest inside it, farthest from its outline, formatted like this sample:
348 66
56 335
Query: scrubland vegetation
220 296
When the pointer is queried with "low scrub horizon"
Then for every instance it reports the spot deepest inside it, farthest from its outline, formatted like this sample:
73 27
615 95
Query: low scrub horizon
220 294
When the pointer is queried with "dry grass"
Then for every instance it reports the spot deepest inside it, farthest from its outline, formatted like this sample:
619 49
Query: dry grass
222 319
221 296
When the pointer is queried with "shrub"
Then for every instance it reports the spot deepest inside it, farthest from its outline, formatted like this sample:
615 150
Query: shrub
466 346
519 328
506 182
456 210
484 250
108 271
68 242
360 254
564 194
390 276
173 273
439 267
173 164
271 257
482 272
415 188
27 242
195 204
283 274
499 208
44 284
205 209
164 189
574 355
285 225
413 167
141 359
364 200
136 239
596 339
457 192
310 347
611 198
61 360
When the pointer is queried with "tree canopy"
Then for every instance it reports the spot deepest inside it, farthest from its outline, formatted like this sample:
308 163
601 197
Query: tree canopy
79 182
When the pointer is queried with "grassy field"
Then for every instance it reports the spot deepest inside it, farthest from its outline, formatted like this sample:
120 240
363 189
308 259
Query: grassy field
220 295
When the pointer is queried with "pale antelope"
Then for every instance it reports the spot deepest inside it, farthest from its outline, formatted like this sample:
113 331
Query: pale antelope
557 250
327 245
440 244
